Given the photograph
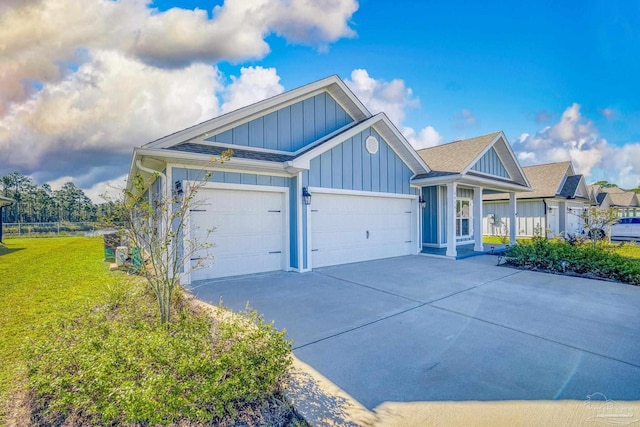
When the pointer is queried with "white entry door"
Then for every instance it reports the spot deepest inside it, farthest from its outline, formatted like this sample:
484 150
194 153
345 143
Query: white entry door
248 233
350 228
553 219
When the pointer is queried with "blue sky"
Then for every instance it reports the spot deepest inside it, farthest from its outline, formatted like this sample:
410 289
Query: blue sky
560 78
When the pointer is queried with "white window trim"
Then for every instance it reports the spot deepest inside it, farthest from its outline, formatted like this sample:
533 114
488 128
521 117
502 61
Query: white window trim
470 218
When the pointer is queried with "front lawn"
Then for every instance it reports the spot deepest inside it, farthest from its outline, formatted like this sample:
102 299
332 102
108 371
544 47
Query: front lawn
84 346
44 280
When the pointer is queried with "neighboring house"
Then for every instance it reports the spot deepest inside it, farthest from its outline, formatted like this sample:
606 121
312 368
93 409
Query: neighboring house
556 203
626 202
4 201
367 185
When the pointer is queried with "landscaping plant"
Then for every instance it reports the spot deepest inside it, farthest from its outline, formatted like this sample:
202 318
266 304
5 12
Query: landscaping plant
115 365
557 255
157 228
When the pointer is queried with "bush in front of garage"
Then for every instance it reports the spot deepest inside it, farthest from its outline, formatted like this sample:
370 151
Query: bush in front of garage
582 259
116 365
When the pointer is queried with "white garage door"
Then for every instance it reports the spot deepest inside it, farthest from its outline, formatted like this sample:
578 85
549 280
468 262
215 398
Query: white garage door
248 232
352 228
574 218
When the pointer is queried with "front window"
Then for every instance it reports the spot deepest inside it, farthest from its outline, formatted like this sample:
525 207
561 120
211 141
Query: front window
463 218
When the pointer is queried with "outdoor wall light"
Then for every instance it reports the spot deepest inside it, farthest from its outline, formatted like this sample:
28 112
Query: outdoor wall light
423 202
306 196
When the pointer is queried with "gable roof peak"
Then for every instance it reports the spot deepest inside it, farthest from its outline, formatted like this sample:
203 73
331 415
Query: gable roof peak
457 156
332 84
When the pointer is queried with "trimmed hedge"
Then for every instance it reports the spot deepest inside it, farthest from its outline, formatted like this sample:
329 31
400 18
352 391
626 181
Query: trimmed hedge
582 259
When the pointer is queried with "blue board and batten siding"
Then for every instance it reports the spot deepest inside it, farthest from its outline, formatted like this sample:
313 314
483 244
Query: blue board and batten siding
349 166
491 164
290 128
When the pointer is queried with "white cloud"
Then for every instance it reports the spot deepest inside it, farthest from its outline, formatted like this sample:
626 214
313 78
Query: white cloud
104 191
575 138
94 117
427 137
253 85
392 98
40 39
83 82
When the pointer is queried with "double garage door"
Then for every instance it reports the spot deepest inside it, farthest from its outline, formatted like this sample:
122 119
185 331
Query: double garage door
250 229
350 228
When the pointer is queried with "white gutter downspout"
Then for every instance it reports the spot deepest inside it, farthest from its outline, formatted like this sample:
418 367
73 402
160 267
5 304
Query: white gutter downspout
152 171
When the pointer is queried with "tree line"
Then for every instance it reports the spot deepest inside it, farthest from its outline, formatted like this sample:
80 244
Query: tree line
33 203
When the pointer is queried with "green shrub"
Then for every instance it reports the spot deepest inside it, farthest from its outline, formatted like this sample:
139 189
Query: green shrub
117 365
599 261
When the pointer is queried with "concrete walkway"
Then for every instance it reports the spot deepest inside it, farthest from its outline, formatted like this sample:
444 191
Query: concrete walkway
415 328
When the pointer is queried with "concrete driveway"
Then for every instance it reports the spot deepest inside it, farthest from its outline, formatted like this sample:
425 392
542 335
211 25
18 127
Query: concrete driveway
417 328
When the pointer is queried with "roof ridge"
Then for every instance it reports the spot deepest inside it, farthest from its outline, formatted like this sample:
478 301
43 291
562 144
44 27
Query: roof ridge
461 140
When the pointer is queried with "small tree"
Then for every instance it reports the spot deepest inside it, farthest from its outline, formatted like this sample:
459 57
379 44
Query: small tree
596 223
156 229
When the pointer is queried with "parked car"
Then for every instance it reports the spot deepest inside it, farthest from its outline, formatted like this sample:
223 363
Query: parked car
626 229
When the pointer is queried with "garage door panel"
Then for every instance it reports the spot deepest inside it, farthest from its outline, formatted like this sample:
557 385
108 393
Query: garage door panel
248 231
340 222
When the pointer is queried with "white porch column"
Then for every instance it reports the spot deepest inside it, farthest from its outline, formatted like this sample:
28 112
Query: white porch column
477 219
512 217
451 220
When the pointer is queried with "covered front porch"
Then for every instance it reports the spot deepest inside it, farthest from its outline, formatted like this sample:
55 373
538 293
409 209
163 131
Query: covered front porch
455 209
461 172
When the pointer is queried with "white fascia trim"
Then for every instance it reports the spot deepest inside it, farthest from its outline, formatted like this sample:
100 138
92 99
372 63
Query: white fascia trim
493 184
359 193
471 181
515 159
261 108
427 182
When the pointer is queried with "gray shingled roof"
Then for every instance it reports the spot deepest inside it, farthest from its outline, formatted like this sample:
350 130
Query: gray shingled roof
434 174
624 199
238 152
544 180
456 156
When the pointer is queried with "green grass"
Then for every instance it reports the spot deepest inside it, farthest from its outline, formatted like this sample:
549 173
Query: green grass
44 280
84 345
627 250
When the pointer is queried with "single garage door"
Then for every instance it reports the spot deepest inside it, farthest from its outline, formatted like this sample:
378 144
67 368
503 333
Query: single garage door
350 228
248 231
